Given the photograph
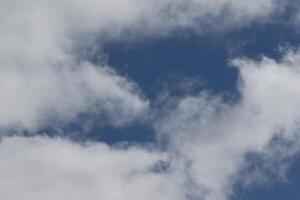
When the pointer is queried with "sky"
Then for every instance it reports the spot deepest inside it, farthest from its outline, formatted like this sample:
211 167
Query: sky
153 99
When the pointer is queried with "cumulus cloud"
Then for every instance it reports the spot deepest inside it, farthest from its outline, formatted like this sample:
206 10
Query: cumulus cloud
43 80
213 138
31 97
41 77
44 168
42 73
208 141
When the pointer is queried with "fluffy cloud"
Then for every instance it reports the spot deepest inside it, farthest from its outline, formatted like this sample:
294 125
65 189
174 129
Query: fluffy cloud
44 79
43 168
33 96
208 140
43 74
213 137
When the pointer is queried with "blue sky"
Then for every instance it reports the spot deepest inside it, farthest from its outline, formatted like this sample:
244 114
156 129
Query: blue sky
183 100
153 63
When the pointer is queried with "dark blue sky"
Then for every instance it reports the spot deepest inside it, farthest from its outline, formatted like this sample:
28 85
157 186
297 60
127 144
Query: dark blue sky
157 62
155 99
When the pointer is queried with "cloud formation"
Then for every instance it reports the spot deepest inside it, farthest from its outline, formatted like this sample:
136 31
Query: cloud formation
44 75
44 168
208 140
44 79
213 137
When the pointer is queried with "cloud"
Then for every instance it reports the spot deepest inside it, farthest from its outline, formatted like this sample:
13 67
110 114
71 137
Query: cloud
34 96
216 15
213 138
43 168
208 143
44 75
45 79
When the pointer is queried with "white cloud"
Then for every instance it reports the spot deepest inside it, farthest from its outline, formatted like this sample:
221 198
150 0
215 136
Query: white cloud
208 140
213 137
217 15
42 80
32 96
41 74
43 168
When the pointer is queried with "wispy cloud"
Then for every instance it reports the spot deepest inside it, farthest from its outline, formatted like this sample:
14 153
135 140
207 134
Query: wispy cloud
208 140
41 74
213 137
43 81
